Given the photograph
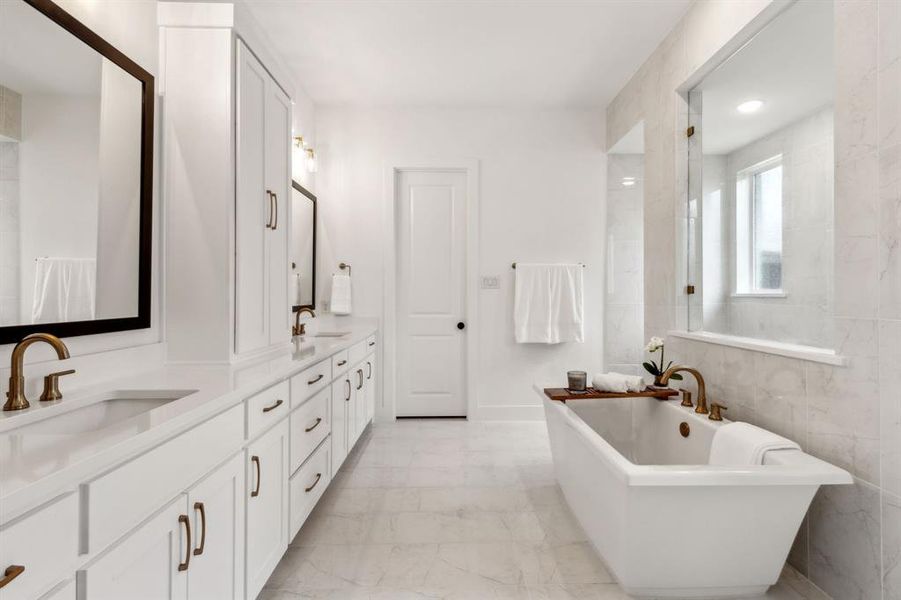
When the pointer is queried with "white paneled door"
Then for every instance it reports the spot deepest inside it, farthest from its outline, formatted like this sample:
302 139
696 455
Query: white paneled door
431 280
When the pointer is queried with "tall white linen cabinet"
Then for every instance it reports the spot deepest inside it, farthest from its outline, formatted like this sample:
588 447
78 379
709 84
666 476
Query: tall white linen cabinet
226 180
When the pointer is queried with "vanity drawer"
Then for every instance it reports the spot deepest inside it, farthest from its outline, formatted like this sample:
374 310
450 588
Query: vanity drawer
46 543
309 381
120 499
266 408
340 363
308 485
310 424
357 352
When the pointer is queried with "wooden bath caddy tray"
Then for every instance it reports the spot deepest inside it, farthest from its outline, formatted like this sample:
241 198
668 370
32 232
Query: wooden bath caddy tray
563 394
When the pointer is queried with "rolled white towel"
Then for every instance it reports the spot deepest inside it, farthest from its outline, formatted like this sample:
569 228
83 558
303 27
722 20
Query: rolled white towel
610 382
634 383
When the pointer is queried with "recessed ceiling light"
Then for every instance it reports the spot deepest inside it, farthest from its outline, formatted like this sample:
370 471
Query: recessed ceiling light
749 106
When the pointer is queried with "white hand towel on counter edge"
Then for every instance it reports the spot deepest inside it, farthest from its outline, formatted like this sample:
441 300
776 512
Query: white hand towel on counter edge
617 382
341 294
745 444
64 290
548 303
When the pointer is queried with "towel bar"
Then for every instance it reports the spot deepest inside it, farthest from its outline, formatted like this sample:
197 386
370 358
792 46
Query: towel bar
580 264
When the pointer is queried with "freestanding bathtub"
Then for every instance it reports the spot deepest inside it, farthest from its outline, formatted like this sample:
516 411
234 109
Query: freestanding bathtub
668 524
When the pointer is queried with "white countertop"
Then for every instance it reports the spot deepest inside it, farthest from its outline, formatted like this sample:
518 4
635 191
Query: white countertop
38 466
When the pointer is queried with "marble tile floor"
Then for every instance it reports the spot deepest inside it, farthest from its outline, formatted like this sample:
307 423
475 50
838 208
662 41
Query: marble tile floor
452 510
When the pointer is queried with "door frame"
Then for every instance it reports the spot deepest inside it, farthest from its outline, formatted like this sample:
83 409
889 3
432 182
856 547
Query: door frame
386 410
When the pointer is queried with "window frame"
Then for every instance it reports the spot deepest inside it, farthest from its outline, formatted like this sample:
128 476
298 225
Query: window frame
746 287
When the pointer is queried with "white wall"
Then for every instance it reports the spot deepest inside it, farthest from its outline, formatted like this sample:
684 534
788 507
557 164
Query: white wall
58 183
541 193
132 28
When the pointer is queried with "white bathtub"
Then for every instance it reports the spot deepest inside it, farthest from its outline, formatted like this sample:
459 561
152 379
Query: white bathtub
667 524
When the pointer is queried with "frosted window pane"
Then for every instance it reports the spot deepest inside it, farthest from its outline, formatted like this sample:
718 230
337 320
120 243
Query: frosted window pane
768 229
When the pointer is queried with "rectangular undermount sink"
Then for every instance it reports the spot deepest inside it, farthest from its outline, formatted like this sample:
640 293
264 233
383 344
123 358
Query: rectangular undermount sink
334 334
103 413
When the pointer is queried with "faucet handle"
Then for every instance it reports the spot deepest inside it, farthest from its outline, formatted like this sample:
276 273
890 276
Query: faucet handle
51 386
715 414
686 397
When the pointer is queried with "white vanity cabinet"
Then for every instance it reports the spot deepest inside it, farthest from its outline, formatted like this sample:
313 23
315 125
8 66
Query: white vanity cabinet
267 505
371 382
152 562
263 121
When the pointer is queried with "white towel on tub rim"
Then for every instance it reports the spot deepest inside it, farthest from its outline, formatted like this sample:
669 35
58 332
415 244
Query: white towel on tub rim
548 303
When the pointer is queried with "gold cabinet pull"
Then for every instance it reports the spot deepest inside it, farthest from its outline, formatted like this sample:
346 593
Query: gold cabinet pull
310 489
275 213
315 379
184 520
369 366
11 572
347 396
314 425
360 375
341 363
273 406
256 461
371 344
198 506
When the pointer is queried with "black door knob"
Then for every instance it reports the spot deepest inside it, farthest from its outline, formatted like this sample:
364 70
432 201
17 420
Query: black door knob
461 325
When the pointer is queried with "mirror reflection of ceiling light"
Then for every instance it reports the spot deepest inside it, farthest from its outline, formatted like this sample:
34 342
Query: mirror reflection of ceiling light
749 107
628 181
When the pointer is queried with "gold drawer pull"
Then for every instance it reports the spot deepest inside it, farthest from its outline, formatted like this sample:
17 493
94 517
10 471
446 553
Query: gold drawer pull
341 363
347 394
199 506
184 520
360 376
369 365
274 406
371 344
314 425
256 461
11 572
315 379
310 489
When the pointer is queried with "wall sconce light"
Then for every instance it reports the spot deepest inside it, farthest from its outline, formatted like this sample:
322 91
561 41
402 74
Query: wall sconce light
312 167
299 142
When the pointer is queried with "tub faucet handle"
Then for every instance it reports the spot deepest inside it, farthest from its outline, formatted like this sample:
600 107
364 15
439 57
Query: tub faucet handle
686 397
715 414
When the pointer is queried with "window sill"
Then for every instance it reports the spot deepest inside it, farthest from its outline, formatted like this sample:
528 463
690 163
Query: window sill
808 353
760 295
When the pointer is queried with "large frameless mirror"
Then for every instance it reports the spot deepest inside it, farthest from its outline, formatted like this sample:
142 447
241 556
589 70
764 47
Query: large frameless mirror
76 157
761 165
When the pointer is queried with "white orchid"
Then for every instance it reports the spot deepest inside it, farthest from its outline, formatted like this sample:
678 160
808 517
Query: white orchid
654 345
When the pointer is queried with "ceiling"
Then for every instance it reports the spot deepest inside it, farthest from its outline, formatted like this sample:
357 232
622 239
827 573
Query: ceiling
788 65
465 53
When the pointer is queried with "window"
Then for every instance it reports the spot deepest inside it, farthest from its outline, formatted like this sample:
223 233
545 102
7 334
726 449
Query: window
758 229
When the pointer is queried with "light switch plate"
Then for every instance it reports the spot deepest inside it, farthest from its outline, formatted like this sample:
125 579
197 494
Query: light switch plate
490 282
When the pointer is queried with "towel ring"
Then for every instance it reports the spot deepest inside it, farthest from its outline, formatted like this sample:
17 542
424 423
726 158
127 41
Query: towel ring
343 266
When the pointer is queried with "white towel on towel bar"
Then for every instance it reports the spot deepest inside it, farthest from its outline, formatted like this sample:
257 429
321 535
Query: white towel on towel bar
64 290
341 294
745 444
548 303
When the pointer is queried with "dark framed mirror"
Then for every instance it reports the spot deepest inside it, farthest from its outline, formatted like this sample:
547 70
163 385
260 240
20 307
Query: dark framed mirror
76 178
302 248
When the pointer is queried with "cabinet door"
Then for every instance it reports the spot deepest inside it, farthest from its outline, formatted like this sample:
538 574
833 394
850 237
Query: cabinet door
278 177
216 505
341 396
150 564
254 206
358 378
370 387
267 505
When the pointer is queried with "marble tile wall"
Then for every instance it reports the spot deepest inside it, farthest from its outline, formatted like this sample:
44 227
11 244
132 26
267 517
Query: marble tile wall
850 544
624 313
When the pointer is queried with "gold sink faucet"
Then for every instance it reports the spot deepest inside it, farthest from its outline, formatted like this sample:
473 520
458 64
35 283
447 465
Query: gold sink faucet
301 328
15 397
702 388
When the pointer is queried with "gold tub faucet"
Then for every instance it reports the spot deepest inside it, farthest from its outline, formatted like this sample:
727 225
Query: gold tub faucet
15 397
701 408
